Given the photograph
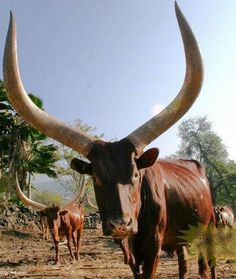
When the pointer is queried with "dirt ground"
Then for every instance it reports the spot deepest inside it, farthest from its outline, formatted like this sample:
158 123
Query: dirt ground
25 255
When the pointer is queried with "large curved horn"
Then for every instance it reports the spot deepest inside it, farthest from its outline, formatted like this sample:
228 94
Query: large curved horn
18 97
26 200
153 128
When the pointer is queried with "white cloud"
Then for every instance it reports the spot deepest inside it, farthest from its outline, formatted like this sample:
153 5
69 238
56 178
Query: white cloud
157 108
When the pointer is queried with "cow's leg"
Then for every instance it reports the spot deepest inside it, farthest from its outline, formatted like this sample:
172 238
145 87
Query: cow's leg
47 232
203 266
211 253
69 237
213 270
152 252
56 243
74 242
152 257
43 233
182 261
79 232
211 260
150 264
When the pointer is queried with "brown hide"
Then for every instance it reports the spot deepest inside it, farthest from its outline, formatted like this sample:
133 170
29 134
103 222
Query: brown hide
175 194
183 195
144 204
67 222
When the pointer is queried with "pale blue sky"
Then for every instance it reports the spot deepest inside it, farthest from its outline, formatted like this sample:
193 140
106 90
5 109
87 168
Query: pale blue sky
110 62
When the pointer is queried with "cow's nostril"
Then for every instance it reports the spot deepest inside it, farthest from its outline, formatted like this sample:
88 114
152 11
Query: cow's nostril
119 223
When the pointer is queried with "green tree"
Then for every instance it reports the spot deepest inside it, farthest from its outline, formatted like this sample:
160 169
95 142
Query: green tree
23 149
200 142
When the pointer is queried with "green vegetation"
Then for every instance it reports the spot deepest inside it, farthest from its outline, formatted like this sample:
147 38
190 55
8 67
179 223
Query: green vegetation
200 142
48 198
23 149
218 243
26 151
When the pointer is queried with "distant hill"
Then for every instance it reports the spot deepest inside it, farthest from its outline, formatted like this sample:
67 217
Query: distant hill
44 183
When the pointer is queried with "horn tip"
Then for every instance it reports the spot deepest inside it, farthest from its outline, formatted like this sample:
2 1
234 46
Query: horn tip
12 23
177 9
12 17
176 5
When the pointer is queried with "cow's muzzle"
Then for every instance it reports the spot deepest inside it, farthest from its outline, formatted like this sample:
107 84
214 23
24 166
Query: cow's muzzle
120 227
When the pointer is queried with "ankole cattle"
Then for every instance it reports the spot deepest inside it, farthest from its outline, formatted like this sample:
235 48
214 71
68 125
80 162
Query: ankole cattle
144 203
61 222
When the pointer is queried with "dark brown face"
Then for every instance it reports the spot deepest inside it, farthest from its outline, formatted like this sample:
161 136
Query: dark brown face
117 181
53 219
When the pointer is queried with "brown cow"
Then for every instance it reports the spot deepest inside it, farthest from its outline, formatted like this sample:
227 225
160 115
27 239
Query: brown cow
61 222
143 203
65 222
224 216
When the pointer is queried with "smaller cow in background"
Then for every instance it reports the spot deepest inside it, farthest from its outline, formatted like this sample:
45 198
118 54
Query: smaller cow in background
224 216
69 222
66 222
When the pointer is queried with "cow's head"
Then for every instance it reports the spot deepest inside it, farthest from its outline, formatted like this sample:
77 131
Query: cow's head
115 167
53 215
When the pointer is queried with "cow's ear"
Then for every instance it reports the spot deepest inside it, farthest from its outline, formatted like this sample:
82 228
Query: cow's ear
148 158
63 212
81 166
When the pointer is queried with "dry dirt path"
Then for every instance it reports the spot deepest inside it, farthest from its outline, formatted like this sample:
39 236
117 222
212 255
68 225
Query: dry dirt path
23 255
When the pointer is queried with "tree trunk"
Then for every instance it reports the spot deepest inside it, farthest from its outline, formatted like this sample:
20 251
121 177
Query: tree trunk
29 187
10 183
